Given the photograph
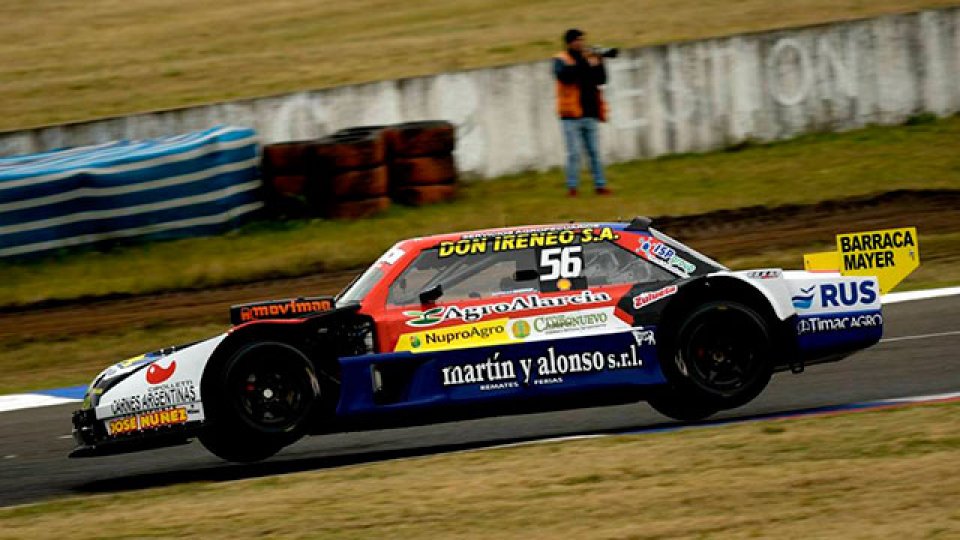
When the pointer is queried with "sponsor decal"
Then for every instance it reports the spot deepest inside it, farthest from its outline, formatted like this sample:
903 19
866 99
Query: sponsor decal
157 374
151 420
647 298
521 329
523 239
565 322
497 372
429 317
564 284
521 303
655 250
163 396
816 325
392 255
644 337
456 337
836 296
283 308
770 273
805 300
890 255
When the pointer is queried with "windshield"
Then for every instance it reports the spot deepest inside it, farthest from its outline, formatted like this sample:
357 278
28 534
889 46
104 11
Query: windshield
358 289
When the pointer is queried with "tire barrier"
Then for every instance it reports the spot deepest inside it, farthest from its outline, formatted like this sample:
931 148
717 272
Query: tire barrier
423 195
430 138
420 171
356 171
358 209
423 170
187 185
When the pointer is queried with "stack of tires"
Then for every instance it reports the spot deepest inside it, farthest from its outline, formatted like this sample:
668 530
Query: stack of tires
422 169
354 180
355 172
287 170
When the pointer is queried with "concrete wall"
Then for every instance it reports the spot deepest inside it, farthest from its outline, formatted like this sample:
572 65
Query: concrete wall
682 97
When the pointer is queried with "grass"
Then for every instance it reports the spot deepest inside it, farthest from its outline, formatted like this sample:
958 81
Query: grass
806 170
884 474
70 61
32 364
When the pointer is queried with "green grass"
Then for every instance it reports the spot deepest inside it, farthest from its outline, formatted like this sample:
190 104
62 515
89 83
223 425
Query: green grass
56 362
68 61
810 169
880 474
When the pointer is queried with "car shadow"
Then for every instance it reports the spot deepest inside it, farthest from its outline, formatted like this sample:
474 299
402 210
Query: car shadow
224 472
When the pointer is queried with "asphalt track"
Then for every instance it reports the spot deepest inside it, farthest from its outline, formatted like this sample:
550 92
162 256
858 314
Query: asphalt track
918 356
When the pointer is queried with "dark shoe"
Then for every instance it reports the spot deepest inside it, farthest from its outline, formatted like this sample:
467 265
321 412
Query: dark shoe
572 192
604 191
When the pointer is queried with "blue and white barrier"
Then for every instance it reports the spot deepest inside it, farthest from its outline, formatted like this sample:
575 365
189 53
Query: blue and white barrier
192 184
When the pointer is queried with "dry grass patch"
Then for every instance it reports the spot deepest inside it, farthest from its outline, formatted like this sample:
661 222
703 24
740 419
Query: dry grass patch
67 61
881 474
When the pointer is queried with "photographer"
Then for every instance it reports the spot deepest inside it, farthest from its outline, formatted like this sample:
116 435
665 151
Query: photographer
579 71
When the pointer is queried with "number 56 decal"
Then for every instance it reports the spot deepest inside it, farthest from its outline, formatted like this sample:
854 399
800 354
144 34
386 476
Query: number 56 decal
565 262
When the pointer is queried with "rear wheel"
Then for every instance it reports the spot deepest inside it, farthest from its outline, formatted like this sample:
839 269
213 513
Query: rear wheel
260 401
721 360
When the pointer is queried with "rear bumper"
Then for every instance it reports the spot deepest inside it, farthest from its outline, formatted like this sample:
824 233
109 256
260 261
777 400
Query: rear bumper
92 439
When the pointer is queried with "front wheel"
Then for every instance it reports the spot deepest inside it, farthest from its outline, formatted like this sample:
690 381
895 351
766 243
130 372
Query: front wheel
721 359
260 401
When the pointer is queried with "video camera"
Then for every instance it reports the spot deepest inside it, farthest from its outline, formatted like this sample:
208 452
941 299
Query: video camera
606 52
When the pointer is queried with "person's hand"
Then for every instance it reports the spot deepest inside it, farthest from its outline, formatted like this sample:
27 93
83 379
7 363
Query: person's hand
594 59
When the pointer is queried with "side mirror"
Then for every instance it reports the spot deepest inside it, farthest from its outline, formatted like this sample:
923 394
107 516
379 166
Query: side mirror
431 295
526 275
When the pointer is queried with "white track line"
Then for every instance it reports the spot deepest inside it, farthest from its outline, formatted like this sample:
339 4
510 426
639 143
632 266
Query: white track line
921 336
894 298
17 402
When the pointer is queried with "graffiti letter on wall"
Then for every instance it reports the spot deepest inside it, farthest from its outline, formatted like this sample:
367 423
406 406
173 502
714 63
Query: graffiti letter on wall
843 75
777 64
625 95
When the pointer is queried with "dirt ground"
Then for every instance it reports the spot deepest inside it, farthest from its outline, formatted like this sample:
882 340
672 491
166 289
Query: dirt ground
722 235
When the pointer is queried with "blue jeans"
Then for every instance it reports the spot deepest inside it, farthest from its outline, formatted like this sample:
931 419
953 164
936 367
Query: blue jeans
575 131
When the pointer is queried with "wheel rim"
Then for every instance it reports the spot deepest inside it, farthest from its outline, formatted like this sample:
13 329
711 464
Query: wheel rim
272 388
725 352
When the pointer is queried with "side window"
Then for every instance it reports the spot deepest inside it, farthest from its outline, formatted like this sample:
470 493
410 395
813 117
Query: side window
609 264
461 277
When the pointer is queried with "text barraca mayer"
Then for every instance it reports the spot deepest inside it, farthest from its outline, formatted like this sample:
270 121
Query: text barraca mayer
524 240
873 250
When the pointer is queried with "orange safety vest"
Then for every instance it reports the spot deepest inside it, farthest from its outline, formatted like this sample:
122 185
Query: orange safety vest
568 95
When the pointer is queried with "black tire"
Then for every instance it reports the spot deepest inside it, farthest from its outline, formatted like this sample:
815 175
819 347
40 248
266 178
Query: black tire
721 359
359 150
360 184
424 195
358 209
260 400
422 171
427 138
288 158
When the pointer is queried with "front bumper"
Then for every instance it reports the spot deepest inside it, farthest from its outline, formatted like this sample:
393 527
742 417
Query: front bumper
92 439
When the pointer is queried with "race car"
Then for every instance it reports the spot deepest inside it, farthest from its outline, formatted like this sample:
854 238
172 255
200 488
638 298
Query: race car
482 323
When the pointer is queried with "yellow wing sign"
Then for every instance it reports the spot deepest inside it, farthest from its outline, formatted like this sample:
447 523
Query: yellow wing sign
890 254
